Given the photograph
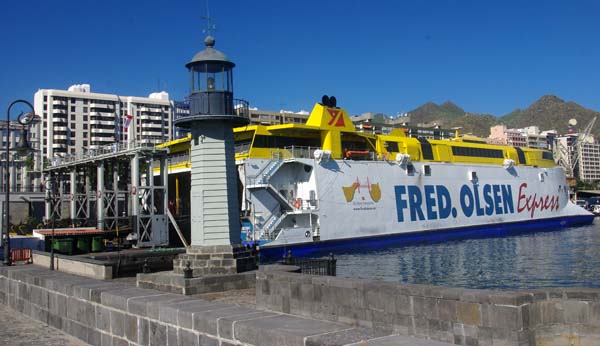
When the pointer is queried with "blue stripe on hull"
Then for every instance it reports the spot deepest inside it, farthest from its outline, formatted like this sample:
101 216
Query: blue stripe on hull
274 253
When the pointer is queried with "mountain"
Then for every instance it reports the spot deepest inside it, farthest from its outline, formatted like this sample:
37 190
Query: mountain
548 113
433 113
551 112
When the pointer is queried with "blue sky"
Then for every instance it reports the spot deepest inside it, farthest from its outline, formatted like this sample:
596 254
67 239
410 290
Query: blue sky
380 56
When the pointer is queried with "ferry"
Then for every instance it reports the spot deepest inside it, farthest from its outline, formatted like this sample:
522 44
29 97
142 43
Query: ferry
323 186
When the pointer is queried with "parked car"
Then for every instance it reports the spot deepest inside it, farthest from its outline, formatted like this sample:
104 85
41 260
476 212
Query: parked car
582 203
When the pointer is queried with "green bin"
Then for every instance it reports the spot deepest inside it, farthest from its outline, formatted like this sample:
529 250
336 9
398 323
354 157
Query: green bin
63 245
83 244
97 244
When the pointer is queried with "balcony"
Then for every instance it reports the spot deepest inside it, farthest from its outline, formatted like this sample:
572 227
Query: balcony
59 103
107 114
56 111
151 109
95 130
101 105
59 137
151 125
59 146
60 128
151 133
102 122
151 117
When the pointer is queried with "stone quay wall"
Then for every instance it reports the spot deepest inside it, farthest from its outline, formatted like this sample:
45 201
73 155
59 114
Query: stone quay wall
545 317
107 313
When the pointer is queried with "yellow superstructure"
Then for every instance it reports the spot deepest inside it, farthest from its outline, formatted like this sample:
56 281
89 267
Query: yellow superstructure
330 129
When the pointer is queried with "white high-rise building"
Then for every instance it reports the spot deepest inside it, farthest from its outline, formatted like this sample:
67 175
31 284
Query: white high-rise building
76 120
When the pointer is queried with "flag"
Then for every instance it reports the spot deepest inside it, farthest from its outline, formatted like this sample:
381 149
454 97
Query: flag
127 121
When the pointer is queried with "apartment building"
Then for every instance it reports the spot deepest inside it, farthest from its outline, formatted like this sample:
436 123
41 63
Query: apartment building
530 137
76 120
589 162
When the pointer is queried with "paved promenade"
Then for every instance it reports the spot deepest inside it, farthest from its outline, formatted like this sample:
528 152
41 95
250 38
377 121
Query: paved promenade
20 330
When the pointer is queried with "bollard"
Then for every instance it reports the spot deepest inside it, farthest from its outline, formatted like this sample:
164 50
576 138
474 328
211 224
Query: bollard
188 272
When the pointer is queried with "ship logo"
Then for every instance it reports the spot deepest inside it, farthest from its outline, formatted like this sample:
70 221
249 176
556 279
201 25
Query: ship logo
337 117
373 189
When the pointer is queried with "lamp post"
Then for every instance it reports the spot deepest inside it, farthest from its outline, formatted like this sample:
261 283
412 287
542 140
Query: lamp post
52 199
22 147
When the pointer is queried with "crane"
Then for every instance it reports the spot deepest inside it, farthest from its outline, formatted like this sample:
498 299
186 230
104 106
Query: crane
569 159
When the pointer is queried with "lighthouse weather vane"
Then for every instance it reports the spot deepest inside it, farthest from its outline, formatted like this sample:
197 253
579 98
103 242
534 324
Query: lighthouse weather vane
210 22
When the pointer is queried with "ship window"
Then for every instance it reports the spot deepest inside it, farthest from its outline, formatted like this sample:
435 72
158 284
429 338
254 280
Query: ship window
410 169
427 170
392 147
546 155
426 148
261 141
477 152
521 156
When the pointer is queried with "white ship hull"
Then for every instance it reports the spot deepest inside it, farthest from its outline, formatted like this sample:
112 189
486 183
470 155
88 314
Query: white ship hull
310 205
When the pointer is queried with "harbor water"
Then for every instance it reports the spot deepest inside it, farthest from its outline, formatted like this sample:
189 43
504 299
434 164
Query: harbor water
561 258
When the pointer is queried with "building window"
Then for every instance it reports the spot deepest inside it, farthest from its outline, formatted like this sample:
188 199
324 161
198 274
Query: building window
85 143
72 108
45 107
72 126
73 117
85 126
85 117
85 109
73 100
45 98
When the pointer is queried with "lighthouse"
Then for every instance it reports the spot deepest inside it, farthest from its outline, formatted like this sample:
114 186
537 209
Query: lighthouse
215 219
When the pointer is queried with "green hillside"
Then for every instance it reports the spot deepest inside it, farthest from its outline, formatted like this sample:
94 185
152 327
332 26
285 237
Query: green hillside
548 113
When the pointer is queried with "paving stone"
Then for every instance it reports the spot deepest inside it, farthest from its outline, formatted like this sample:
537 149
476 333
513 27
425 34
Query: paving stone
225 324
117 323
171 336
139 305
187 338
282 330
102 319
23 330
344 337
397 340
131 328
158 334
143 332
185 314
117 298
207 321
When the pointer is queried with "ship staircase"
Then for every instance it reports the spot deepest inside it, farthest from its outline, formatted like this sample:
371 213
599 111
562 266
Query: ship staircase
261 180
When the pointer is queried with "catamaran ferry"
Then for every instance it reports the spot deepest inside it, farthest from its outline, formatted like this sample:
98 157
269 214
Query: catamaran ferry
323 185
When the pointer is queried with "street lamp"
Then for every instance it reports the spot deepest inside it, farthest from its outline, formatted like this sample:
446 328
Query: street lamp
22 148
51 189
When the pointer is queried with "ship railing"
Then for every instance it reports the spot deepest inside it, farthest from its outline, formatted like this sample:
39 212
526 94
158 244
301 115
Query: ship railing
298 152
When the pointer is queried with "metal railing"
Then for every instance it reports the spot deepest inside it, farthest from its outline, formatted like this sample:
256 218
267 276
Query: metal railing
24 188
112 148
240 108
313 266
